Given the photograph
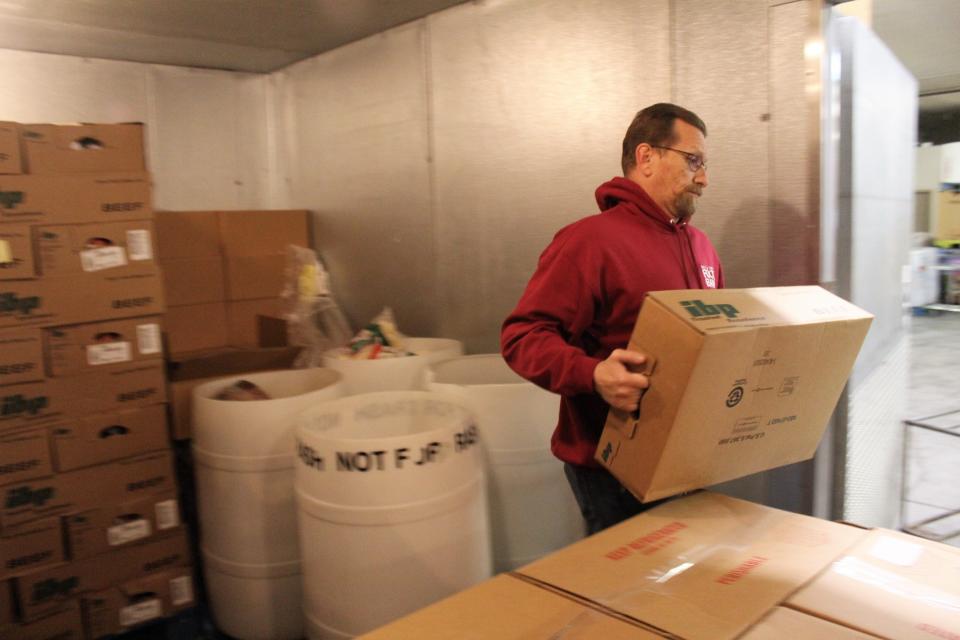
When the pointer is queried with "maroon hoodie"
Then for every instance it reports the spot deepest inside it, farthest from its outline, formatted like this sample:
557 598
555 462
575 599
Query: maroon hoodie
584 297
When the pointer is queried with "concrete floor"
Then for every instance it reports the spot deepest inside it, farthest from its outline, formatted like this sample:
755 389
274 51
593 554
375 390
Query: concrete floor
932 482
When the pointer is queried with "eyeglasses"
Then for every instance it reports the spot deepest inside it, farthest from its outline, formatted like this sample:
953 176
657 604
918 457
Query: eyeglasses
694 162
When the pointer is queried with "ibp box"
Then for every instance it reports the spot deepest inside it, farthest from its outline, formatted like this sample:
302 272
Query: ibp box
115 610
64 250
10 148
16 252
742 380
21 357
75 198
82 148
77 349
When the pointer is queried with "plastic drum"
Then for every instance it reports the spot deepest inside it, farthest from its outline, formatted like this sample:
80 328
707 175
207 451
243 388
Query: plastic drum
244 453
532 509
390 489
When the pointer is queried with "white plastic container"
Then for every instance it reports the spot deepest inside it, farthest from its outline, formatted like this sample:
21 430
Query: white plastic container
393 517
532 509
406 373
243 453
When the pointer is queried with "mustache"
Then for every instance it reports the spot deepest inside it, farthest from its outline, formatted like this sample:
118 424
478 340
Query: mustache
696 190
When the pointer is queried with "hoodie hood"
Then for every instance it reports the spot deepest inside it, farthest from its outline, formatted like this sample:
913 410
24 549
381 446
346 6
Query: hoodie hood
621 190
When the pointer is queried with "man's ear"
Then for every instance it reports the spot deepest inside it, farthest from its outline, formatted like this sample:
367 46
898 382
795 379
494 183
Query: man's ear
643 155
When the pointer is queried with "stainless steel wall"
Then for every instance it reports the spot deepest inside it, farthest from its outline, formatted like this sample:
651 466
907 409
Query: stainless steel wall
206 140
442 156
875 214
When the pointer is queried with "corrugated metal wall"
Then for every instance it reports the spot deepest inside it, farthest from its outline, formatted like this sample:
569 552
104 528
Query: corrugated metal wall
493 123
206 139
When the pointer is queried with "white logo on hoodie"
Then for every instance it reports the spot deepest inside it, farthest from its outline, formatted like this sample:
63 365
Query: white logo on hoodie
709 276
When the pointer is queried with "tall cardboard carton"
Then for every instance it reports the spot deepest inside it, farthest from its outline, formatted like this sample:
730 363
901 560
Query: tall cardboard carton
891 585
743 380
702 566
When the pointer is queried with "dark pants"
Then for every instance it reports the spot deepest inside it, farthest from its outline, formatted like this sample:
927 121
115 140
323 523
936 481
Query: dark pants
603 500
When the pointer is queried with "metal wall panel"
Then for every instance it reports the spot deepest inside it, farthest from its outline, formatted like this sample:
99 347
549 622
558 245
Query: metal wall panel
207 142
354 147
205 129
721 57
875 206
530 101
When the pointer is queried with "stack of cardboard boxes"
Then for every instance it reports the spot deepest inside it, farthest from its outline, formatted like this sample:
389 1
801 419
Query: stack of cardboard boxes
708 566
91 540
224 272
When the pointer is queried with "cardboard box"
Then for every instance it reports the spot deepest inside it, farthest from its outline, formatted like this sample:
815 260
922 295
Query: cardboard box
253 277
743 380
82 148
24 454
21 357
702 566
29 403
196 327
117 609
65 623
101 529
68 249
243 319
262 233
108 390
10 148
782 623
16 252
94 439
80 298
508 608
947 223
891 585
30 546
121 481
187 234
73 199
187 373
45 590
189 281
76 349
255 250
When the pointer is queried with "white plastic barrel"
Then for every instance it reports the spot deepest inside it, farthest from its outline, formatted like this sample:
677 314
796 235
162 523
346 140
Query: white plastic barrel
243 453
532 509
406 373
392 507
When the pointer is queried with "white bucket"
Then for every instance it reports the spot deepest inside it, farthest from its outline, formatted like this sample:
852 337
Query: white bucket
406 373
532 509
393 517
243 453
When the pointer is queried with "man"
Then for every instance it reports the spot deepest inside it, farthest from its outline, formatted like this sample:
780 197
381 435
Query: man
568 332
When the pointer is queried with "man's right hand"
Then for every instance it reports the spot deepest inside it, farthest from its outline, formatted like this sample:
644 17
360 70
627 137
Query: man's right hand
614 381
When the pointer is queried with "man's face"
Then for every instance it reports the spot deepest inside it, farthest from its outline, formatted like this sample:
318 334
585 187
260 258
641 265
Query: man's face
677 185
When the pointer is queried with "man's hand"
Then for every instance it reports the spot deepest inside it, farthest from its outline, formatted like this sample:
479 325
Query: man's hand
614 381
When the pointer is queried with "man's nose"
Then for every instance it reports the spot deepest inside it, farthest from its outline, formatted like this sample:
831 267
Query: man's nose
700 177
